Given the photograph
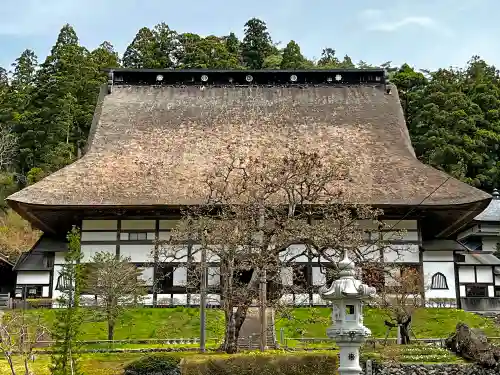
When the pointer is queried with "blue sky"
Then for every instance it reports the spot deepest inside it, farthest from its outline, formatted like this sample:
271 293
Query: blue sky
425 33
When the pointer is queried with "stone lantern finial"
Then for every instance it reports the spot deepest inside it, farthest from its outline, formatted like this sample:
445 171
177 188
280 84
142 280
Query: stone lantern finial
496 194
347 294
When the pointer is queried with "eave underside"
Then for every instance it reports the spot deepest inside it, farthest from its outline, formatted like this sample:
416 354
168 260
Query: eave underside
435 221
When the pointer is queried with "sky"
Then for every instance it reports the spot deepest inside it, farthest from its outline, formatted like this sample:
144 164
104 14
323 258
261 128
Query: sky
427 34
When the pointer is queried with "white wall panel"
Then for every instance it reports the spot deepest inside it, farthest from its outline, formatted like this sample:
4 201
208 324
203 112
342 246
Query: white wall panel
462 290
318 277
213 276
293 253
179 299
180 276
138 224
497 280
45 291
59 258
99 224
404 253
491 291
466 274
448 270
302 299
317 300
490 244
287 299
147 275
213 299
438 256
89 250
137 253
173 254
287 276
484 275
33 277
98 236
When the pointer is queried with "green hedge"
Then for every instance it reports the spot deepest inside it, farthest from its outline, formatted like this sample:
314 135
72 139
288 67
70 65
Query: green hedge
157 364
262 364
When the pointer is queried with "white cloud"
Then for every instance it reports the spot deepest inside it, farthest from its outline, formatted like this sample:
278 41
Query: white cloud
378 20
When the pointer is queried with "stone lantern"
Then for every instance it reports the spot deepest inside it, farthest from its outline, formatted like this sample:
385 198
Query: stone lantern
347 294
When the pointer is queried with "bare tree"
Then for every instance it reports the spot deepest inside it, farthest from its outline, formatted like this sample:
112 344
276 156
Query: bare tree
400 297
116 284
261 214
19 335
8 147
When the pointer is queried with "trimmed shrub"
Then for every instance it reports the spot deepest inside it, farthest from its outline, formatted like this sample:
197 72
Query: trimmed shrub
262 364
158 364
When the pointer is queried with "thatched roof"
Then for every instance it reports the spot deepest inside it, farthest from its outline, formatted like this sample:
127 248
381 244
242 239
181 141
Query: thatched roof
152 144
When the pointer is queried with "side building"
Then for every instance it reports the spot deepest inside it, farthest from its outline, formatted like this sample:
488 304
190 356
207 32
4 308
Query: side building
156 133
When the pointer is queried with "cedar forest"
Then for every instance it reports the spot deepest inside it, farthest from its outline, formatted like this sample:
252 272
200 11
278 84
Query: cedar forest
46 109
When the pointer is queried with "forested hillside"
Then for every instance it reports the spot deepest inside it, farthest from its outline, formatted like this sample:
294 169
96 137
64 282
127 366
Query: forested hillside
46 107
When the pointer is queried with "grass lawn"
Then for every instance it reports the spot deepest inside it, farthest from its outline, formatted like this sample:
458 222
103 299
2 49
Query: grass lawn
427 323
181 322
148 323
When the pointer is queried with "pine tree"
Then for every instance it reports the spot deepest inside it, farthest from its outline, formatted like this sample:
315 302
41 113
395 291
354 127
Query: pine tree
256 45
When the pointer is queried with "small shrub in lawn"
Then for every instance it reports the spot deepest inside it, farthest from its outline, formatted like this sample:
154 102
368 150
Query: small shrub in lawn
262 364
159 364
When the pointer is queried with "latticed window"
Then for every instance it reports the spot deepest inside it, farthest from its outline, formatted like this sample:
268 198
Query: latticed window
438 281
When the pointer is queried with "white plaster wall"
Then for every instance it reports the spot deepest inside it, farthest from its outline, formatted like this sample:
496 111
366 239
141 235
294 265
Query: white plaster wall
33 277
45 291
59 258
213 276
138 224
180 276
462 291
490 243
213 299
89 250
318 277
447 269
287 276
438 256
402 253
294 251
137 253
99 224
491 291
466 274
484 275
173 254
98 236
147 275
497 280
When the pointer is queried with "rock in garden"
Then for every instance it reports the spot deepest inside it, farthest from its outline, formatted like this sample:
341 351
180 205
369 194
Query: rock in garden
473 345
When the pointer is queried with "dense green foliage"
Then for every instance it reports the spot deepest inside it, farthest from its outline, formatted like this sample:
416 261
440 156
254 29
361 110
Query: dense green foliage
161 364
67 325
46 108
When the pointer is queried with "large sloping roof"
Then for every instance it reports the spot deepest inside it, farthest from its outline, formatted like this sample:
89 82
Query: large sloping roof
152 144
